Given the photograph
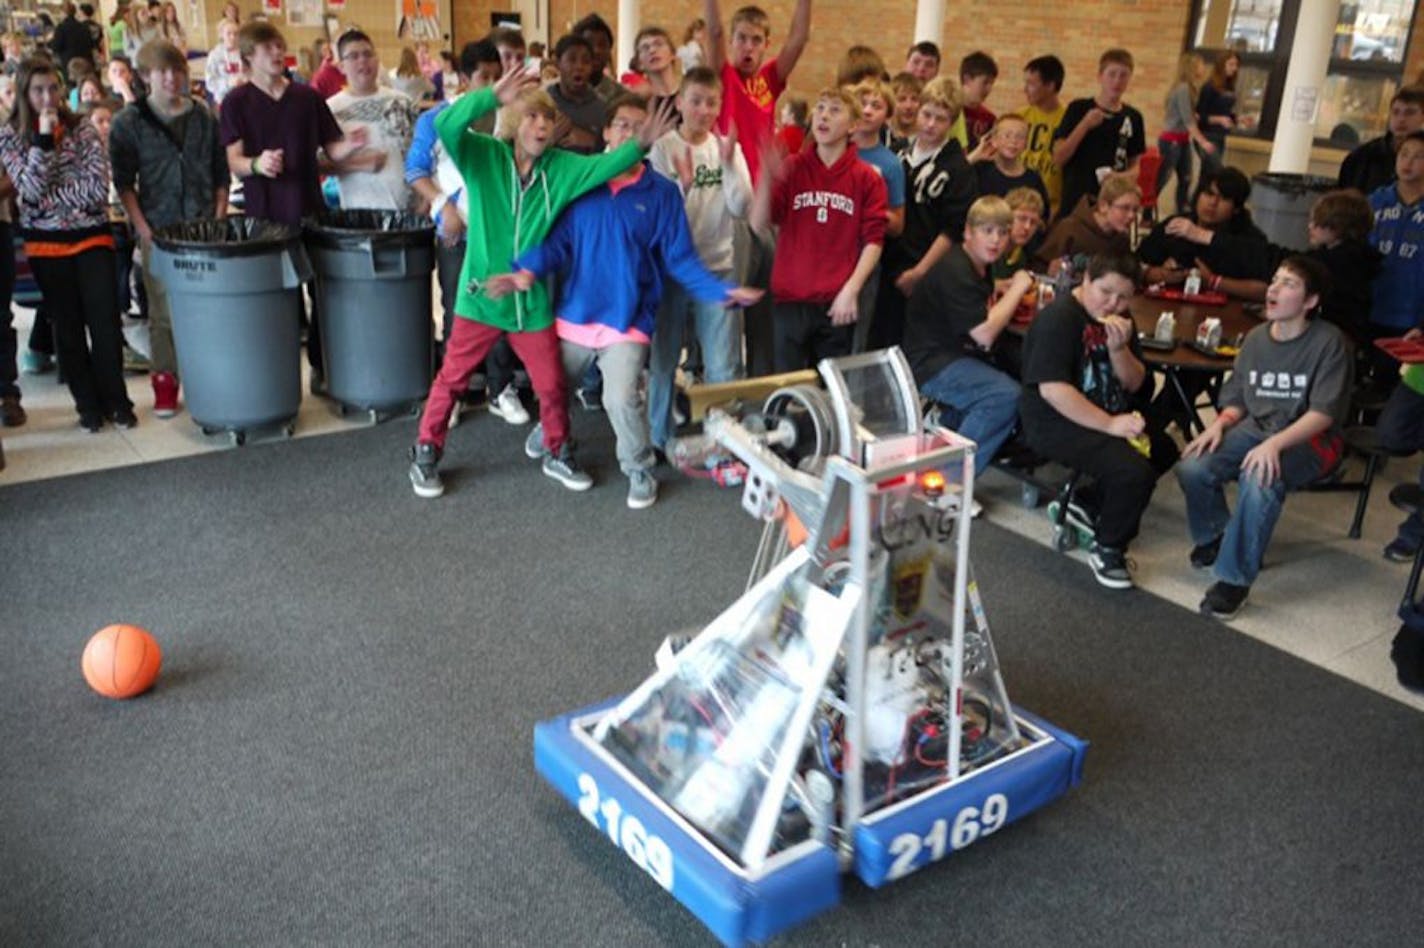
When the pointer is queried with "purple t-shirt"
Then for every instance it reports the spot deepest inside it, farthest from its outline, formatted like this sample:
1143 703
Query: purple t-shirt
299 123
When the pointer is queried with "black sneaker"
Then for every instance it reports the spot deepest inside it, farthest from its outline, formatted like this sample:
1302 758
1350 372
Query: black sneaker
1399 551
1109 566
424 477
123 418
1224 600
1204 556
92 422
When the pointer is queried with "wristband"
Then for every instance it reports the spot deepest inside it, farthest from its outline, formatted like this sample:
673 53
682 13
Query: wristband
256 170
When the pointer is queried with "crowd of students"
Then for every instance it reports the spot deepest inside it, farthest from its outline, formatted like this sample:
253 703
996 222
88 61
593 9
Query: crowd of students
702 208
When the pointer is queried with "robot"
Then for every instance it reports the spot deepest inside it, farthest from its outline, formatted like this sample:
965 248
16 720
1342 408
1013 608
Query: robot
846 713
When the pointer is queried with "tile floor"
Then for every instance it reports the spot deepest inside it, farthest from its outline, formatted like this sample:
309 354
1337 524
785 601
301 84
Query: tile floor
1323 597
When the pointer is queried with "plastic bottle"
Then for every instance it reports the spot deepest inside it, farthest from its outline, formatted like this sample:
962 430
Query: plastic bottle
1192 286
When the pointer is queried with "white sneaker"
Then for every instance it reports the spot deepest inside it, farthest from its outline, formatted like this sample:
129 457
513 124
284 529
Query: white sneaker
642 490
508 406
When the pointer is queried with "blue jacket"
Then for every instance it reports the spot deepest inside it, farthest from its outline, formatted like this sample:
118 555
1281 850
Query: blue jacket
616 250
1399 237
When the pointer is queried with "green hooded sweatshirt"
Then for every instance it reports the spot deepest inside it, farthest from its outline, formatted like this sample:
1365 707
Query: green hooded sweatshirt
507 219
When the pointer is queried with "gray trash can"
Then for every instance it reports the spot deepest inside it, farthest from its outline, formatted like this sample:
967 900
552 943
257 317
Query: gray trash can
1280 205
373 273
234 290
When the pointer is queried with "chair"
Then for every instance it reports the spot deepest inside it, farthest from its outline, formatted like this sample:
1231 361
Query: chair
1410 499
1359 440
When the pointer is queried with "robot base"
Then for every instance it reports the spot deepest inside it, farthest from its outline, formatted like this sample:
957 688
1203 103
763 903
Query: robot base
740 906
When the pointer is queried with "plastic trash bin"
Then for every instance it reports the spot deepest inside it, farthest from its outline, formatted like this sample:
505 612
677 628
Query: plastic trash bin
234 290
373 277
1280 205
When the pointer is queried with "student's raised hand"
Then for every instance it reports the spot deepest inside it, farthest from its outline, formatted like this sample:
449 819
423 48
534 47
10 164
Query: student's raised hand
1263 463
845 308
984 151
512 83
1205 443
682 164
727 144
1126 426
659 123
503 284
744 296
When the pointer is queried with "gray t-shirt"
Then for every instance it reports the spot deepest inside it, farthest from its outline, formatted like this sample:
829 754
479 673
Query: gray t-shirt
1180 108
585 114
1276 383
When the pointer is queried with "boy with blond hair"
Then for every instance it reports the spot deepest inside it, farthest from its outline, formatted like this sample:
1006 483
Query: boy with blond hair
998 160
829 207
905 110
952 329
1025 230
940 185
717 191
1101 135
522 185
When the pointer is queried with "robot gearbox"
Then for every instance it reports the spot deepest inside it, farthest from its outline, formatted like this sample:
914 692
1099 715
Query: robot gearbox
846 713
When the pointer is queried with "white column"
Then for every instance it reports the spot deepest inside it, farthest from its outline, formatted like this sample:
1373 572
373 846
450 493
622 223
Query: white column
929 23
1305 84
630 14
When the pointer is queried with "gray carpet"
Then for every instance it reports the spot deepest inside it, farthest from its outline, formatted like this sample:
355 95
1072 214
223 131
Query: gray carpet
338 750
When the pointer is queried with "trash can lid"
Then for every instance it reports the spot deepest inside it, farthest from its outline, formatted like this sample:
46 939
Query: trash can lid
348 228
1294 183
225 237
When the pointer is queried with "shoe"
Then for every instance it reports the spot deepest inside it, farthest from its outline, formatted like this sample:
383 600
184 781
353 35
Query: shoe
36 363
534 443
135 361
642 490
124 418
1205 555
12 414
563 468
590 399
1109 566
165 394
91 422
508 406
424 477
1398 551
1224 600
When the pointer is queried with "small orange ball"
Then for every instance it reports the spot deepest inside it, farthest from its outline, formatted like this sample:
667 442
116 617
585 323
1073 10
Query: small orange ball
121 661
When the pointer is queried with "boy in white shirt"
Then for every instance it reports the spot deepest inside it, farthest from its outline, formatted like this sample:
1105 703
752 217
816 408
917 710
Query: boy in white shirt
716 187
374 176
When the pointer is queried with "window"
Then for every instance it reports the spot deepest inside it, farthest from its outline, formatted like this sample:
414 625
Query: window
1366 62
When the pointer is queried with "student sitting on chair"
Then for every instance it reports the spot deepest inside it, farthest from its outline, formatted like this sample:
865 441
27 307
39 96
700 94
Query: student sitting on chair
1278 430
1084 386
1174 247
951 329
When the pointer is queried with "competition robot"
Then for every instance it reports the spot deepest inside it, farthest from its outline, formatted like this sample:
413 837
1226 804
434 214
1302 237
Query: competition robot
846 713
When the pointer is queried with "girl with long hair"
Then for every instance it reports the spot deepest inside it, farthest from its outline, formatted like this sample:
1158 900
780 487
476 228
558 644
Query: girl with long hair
60 168
1216 108
1180 129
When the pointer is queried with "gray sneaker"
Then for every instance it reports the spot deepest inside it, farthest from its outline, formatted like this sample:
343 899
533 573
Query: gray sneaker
534 443
563 468
424 477
642 490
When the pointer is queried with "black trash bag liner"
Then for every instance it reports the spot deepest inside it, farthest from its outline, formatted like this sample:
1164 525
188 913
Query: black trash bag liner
226 237
1294 184
355 228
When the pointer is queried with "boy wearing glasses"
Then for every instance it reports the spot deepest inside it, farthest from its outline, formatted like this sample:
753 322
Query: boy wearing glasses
375 175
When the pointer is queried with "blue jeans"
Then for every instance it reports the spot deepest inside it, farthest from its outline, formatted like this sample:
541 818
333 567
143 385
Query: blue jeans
1246 533
1176 156
719 332
981 404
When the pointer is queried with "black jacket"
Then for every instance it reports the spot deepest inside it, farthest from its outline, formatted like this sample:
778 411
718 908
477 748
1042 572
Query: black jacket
1369 167
71 40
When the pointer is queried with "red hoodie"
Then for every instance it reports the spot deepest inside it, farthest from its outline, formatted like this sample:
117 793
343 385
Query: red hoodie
827 217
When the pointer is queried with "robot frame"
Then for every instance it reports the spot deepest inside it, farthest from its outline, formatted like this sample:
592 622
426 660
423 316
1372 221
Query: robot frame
846 713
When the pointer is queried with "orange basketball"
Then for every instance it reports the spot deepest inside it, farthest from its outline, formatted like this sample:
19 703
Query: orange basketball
121 661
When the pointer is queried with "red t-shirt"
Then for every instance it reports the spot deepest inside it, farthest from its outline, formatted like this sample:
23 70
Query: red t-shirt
827 217
328 80
978 122
751 104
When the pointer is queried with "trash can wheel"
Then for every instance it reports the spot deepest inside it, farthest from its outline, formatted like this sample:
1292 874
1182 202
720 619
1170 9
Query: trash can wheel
237 438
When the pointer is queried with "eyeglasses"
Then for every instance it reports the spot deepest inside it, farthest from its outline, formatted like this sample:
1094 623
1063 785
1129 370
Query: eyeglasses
360 55
624 125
